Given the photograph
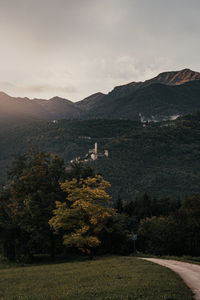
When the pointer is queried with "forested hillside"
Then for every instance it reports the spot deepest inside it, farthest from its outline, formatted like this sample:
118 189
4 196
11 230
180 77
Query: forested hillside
161 158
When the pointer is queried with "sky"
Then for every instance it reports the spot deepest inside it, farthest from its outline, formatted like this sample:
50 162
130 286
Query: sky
74 48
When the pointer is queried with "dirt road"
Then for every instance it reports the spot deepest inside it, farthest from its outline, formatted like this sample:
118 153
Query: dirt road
189 272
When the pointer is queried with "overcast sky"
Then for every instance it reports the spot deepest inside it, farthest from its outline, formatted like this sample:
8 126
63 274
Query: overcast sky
73 48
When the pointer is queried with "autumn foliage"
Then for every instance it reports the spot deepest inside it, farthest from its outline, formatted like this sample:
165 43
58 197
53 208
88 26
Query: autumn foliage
84 213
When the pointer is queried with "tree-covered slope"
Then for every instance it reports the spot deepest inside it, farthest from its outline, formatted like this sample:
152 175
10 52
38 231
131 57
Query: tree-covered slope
161 158
156 101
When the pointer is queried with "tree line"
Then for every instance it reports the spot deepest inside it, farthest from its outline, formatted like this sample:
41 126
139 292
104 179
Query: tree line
165 226
48 209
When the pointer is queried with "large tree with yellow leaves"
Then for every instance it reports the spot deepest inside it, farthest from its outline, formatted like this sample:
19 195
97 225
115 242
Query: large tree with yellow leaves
84 214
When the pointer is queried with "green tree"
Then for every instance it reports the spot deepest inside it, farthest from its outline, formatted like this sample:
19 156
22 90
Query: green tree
188 219
118 205
84 214
30 199
157 235
175 234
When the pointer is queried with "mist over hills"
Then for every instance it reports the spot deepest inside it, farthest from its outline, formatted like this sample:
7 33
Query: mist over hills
168 94
40 109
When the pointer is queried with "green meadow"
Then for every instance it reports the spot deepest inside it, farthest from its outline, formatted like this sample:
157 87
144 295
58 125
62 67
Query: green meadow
104 278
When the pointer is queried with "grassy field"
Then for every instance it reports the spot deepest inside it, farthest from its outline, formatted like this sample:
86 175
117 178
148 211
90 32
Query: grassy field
107 278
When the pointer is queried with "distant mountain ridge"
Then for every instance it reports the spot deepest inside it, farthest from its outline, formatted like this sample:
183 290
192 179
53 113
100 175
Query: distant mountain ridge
24 108
89 102
168 94
162 97
167 78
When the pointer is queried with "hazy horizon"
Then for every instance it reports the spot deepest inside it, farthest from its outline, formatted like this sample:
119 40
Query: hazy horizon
36 98
73 49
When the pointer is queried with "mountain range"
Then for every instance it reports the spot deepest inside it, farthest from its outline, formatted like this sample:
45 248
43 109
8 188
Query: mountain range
166 96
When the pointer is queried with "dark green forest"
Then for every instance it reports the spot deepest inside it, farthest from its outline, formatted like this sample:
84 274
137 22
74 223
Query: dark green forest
48 210
160 158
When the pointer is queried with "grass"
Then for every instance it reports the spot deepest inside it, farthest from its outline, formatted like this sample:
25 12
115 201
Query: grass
107 278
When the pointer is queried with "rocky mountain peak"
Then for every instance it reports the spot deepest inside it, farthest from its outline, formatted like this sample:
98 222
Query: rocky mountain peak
176 77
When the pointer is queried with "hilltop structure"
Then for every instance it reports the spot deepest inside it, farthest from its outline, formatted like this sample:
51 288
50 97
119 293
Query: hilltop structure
92 155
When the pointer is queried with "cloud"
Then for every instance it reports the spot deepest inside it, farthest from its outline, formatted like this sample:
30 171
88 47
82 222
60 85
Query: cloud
76 48
37 90
124 68
47 88
5 85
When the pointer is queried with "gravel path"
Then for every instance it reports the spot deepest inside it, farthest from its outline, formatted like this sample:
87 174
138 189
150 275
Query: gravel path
189 272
